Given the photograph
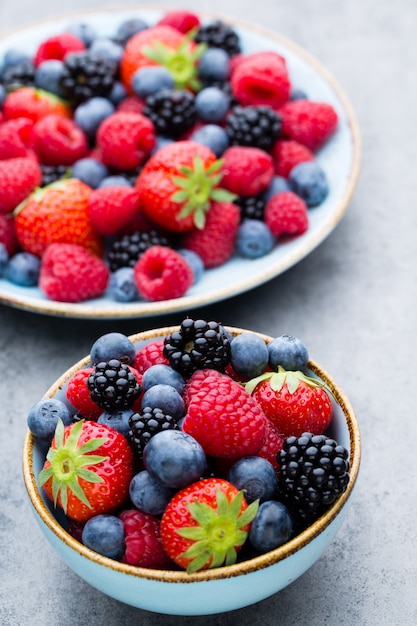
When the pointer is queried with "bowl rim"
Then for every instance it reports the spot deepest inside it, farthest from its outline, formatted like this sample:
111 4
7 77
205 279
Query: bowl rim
180 576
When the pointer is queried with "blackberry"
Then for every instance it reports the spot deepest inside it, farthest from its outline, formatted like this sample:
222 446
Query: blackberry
197 345
251 207
126 251
18 75
86 75
314 471
113 385
146 424
217 34
52 173
257 126
172 111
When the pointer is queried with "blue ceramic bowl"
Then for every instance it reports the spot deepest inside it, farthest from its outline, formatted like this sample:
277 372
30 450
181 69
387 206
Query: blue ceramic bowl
211 591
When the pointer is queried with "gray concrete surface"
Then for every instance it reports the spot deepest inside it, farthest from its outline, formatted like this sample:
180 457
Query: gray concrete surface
353 301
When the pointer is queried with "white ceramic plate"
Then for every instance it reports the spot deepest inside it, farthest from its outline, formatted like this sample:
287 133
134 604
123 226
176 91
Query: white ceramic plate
340 159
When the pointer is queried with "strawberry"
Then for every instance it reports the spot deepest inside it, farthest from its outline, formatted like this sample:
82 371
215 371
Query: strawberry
294 402
162 274
261 78
223 417
78 395
57 213
178 184
87 470
246 171
34 104
205 524
308 122
150 354
58 140
18 178
125 140
143 540
287 154
112 208
57 47
286 214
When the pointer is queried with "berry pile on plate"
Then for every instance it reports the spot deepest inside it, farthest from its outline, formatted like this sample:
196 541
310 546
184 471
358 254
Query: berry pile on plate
131 164
192 451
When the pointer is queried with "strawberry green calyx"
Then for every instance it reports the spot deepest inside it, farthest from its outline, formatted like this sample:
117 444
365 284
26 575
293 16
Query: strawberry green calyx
218 532
198 188
277 380
69 462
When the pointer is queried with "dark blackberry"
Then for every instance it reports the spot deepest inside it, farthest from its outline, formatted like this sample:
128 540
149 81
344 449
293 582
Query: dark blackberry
126 251
18 75
172 111
113 385
85 75
52 173
146 424
257 126
217 34
251 207
197 345
314 471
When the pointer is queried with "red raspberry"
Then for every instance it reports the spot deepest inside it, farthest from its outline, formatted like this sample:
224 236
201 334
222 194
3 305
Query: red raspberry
216 241
57 47
310 123
150 354
286 214
272 444
7 234
59 141
261 78
195 382
184 21
18 178
246 171
125 140
224 418
33 104
143 540
112 208
16 138
131 104
162 274
287 154
78 395
69 273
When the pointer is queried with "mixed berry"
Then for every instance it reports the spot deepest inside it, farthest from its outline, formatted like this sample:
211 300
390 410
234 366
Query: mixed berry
123 154
193 450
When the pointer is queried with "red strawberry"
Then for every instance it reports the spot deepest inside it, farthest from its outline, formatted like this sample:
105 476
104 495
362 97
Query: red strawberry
125 140
184 21
294 402
216 241
34 104
287 154
18 178
246 171
143 540
223 417
162 273
87 470
16 138
69 273
150 354
7 234
57 213
261 78
286 214
78 395
112 208
310 123
57 47
59 141
178 184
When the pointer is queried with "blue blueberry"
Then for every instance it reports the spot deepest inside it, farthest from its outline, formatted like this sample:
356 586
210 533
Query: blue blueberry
23 269
115 180
89 115
148 494
130 27
3 94
214 65
89 171
107 48
162 374
309 181
175 458
212 104
278 185
271 527
83 30
43 417
148 80
254 239
212 136
289 352
118 93
15 56
118 420
113 345
105 535
248 355
195 262
161 142
48 74
166 398
122 286
256 476
298 94
4 258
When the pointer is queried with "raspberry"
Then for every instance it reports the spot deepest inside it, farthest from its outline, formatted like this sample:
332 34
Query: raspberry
246 171
162 274
57 47
261 78
150 354
69 273
18 178
143 540
131 104
215 243
287 154
272 445
111 208
184 21
286 214
78 395
8 235
125 140
309 123
59 141
16 138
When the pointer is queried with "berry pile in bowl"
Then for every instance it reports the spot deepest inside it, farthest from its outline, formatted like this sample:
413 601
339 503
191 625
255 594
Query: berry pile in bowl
153 162
193 469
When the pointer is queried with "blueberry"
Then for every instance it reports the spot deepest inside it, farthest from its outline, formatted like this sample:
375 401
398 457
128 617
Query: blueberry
107 48
212 136
298 94
195 262
289 352
4 258
113 345
248 355
122 286
105 535
278 185
130 27
254 239
89 171
83 30
271 527
148 494
212 104
309 181
166 398
256 476
148 80
175 458
115 180
214 65
15 56
23 269
43 417
3 94
118 420
48 74
89 115
118 93
162 374
161 142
